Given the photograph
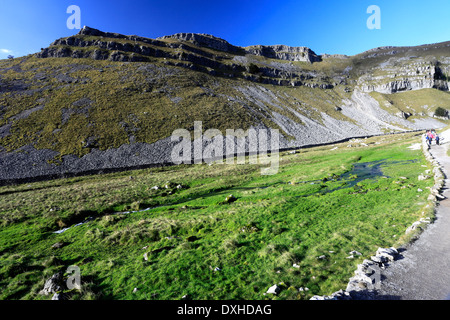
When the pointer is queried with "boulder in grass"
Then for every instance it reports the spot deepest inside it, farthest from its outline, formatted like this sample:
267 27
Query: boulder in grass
53 284
274 289
389 253
230 199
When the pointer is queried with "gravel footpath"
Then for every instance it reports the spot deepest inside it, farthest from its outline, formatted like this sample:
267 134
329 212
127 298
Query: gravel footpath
423 272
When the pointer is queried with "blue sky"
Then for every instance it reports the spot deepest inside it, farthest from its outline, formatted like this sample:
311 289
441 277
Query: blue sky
325 26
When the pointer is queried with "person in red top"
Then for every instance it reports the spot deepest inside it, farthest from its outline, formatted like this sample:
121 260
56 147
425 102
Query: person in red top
428 137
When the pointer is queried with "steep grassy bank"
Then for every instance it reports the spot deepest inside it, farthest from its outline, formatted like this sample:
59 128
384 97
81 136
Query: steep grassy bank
323 203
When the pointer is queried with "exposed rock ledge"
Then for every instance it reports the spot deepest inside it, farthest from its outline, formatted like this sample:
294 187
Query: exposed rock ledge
204 40
283 52
280 52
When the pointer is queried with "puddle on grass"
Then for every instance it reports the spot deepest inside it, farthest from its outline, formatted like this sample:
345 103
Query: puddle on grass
114 213
364 171
91 218
360 172
75 225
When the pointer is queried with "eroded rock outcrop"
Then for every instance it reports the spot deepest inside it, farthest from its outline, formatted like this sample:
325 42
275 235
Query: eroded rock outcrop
190 50
205 40
283 52
403 75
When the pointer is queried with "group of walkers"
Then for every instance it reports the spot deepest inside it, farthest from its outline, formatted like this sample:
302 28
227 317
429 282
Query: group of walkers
432 135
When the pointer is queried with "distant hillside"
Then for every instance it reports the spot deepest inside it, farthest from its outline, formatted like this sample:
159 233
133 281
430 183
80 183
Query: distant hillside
100 100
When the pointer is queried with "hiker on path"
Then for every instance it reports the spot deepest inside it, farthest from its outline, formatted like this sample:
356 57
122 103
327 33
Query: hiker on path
428 137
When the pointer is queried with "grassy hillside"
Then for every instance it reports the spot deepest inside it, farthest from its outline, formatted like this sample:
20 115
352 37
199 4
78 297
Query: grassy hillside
110 103
321 205
420 102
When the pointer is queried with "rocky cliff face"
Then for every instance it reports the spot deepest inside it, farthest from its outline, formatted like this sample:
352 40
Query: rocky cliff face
283 52
280 52
414 76
205 40
191 51
406 68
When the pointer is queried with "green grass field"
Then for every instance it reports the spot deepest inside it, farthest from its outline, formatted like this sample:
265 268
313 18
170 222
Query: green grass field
322 203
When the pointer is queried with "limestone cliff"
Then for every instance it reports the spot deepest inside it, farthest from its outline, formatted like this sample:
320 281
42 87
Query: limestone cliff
283 52
391 69
384 69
